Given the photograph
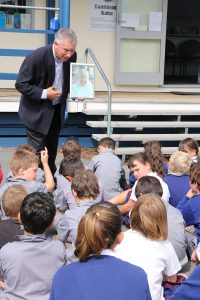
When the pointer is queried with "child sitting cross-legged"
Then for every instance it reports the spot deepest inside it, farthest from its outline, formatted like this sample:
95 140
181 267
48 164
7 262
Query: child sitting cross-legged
146 244
28 264
85 190
11 202
189 206
24 166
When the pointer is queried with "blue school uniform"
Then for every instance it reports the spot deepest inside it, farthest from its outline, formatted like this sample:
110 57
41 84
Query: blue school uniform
190 209
190 288
102 278
178 186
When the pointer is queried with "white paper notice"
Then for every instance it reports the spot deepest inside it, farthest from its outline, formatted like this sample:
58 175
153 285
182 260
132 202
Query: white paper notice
155 21
130 20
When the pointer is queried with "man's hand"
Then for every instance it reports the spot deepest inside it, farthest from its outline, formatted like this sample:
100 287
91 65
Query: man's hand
53 94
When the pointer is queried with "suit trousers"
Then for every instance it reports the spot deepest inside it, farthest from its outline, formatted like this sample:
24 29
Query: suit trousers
39 141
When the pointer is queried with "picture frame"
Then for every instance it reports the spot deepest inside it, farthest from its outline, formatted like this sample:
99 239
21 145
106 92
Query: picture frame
82 82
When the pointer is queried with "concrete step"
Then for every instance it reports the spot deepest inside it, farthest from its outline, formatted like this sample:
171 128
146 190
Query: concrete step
148 137
144 109
143 124
132 150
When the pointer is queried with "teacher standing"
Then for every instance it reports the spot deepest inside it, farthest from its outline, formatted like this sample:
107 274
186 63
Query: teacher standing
43 81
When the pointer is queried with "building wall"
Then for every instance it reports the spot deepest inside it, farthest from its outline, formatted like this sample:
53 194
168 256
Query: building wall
27 41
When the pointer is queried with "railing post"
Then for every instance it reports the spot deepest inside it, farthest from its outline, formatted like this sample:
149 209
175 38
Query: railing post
88 50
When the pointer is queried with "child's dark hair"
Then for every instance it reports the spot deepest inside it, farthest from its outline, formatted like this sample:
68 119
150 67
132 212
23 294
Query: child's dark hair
140 156
12 199
148 185
195 174
156 157
71 147
37 212
107 143
98 230
190 143
69 165
85 184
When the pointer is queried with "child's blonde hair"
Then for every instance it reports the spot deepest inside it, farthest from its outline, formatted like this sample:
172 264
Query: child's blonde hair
22 159
180 162
149 216
12 199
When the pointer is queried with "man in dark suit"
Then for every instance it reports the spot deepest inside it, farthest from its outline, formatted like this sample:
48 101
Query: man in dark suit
43 81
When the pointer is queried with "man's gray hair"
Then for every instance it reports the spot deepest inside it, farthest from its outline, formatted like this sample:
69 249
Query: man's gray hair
66 33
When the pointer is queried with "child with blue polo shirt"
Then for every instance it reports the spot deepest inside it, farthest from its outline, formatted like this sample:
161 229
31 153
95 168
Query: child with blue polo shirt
190 204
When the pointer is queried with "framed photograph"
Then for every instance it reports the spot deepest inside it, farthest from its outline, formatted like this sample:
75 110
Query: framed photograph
82 81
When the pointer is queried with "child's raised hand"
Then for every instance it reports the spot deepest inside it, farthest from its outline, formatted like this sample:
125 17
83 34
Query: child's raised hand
44 156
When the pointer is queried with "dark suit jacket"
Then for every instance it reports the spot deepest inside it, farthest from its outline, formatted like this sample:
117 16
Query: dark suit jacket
37 72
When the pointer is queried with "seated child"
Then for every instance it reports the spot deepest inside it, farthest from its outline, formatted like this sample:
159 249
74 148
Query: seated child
189 206
178 178
146 244
99 274
175 222
71 147
11 203
85 189
27 147
63 194
108 168
28 264
191 147
140 165
24 166
153 151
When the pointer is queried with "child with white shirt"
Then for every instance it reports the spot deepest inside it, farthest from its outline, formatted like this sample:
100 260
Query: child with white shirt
146 244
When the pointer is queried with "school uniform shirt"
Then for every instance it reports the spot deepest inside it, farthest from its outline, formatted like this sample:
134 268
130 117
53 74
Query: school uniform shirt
108 168
62 194
100 278
165 195
178 186
156 258
176 232
190 288
68 225
30 186
190 209
8 230
28 266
